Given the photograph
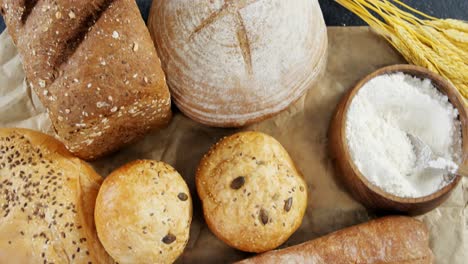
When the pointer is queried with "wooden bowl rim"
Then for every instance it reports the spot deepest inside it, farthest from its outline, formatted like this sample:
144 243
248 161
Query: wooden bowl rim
442 85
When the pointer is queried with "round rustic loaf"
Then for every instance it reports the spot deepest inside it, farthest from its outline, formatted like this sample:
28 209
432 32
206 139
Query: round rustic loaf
47 199
234 62
143 213
253 196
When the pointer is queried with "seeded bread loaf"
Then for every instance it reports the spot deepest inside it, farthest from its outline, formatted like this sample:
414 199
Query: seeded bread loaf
47 199
395 239
253 196
94 66
143 213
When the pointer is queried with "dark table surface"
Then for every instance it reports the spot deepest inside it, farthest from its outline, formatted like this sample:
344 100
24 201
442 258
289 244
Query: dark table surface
335 15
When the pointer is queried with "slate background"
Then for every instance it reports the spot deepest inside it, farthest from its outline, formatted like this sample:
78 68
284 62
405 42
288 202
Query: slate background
335 15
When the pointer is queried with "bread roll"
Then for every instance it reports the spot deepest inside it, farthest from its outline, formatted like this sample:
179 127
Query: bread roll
94 67
230 63
253 196
47 199
143 213
394 239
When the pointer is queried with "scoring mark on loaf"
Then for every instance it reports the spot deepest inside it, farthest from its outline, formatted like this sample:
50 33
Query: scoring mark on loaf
28 7
244 43
67 47
77 38
232 7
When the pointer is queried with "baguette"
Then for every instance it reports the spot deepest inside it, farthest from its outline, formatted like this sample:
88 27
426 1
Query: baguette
94 67
394 239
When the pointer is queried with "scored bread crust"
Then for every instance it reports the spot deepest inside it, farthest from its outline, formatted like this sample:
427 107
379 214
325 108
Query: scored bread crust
393 239
231 63
271 177
47 199
94 67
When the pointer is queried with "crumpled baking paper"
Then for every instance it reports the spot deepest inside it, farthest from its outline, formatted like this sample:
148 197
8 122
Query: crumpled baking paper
302 129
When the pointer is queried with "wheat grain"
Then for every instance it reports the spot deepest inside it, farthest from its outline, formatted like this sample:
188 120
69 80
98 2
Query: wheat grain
449 24
457 36
441 45
444 47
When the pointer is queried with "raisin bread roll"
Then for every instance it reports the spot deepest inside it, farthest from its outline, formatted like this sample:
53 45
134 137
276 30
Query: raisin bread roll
253 196
47 199
143 213
235 62
94 66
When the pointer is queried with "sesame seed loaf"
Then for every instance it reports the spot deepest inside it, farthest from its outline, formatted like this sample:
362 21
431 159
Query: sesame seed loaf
94 66
47 199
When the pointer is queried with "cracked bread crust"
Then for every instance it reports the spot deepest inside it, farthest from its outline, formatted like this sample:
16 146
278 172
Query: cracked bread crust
253 196
94 67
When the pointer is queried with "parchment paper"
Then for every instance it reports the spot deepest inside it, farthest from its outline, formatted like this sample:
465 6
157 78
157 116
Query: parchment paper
302 129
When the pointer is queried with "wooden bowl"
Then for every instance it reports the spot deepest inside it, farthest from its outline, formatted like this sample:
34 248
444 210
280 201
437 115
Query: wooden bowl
364 191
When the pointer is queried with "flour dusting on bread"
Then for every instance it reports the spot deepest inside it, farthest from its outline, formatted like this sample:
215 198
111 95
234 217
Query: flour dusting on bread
230 63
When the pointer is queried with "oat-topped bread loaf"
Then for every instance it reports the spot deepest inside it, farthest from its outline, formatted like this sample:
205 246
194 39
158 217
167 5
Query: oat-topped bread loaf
47 201
234 62
94 66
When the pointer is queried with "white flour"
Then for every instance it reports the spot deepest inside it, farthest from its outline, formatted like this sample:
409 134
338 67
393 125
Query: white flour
443 164
381 114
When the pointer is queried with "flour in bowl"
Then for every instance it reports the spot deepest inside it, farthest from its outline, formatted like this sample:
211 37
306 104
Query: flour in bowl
381 114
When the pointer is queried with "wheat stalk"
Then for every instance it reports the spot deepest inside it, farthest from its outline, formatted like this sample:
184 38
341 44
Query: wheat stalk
441 45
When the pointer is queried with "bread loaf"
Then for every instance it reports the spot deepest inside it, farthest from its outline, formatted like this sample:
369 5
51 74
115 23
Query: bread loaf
234 62
94 67
395 239
47 201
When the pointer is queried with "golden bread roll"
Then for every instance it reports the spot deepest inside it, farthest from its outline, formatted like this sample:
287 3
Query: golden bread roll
253 196
47 201
234 62
143 213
